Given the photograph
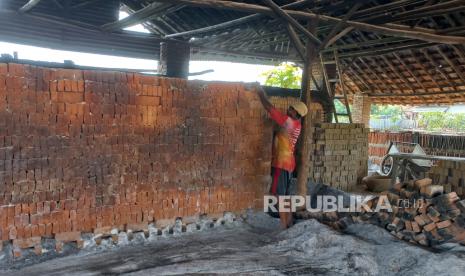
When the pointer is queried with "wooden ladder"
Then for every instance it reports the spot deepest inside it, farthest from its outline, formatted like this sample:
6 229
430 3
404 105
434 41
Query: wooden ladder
332 88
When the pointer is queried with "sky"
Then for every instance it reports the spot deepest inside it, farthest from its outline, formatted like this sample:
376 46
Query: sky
223 71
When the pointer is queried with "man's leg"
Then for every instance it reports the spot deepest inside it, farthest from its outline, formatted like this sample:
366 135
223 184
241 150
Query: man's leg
283 217
289 215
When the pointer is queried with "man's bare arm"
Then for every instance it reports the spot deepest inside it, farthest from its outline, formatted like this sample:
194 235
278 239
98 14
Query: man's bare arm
264 99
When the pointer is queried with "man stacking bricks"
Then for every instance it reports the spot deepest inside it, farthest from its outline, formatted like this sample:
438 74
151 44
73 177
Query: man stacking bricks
283 160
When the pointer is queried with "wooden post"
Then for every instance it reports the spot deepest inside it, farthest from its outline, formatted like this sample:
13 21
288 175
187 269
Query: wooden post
174 59
303 152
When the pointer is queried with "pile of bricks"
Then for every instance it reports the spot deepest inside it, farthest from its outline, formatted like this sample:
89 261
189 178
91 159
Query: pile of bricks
89 151
340 156
424 214
421 213
451 174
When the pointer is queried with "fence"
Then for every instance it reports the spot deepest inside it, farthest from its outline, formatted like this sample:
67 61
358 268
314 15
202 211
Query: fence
435 144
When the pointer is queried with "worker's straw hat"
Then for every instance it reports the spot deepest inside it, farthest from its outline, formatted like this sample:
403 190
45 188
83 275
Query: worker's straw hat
300 107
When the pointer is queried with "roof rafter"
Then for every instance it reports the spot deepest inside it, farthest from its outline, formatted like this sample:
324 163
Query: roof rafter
383 29
283 15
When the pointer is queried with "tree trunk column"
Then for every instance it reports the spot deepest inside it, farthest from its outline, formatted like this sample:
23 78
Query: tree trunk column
303 152
361 109
174 59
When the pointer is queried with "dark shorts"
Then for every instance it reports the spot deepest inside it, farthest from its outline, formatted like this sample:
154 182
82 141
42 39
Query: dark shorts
281 181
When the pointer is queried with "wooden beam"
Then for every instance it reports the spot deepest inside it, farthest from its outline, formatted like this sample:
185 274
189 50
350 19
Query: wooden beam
29 5
232 23
409 71
383 29
366 78
429 10
83 4
438 68
296 42
149 12
379 95
266 55
338 36
459 51
388 49
398 74
334 31
433 79
374 75
289 19
451 64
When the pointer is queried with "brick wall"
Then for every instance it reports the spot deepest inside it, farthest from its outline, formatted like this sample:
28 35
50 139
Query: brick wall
361 109
85 150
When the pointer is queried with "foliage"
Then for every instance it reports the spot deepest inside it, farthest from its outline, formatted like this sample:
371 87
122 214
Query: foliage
286 75
378 110
438 121
393 112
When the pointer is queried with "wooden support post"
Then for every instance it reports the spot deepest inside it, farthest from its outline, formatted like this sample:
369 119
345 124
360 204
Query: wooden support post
174 59
303 152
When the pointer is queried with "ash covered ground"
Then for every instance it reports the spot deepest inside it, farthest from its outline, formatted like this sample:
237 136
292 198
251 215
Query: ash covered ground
254 245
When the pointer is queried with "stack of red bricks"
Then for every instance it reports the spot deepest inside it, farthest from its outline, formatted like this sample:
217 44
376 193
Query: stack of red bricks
87 151
451 175
423 213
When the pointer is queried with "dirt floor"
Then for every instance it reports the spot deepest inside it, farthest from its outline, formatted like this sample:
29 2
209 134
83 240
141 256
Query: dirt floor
257 246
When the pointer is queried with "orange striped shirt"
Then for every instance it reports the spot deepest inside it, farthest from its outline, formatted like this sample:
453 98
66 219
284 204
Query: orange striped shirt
285 140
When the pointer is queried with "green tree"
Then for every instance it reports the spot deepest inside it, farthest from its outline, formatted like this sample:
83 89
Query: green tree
433 121
457 122
286 75
438 121
378 110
